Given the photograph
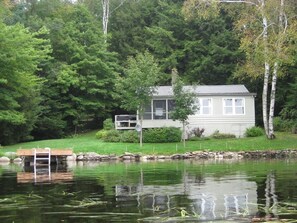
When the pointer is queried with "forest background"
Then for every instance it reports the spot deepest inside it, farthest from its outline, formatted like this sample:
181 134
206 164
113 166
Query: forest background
59 61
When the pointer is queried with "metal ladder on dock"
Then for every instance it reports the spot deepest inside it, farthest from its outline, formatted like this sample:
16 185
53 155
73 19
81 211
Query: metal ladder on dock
42 169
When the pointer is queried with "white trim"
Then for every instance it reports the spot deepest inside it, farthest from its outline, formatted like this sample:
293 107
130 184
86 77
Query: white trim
233 106
200 109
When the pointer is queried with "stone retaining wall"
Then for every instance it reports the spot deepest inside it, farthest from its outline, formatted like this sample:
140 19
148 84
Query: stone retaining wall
92 156
273 154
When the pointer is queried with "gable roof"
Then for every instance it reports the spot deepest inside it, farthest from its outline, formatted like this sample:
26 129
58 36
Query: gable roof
205 90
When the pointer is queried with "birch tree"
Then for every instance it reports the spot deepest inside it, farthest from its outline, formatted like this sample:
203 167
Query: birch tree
105 15
267 28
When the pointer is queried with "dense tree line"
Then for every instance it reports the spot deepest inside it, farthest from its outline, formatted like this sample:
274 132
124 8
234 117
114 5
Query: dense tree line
59 67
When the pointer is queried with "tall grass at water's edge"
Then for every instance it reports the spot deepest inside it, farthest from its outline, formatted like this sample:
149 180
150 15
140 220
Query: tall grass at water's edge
88 143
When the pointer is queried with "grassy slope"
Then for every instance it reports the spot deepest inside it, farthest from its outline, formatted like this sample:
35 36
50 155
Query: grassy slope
88 143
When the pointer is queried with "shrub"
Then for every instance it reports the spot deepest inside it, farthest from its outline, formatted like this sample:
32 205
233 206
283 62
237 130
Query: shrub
283 125
161 135
218 135
112 136
129 136
196 132
277 124
101 134
254 132
294 129
108 124
195 138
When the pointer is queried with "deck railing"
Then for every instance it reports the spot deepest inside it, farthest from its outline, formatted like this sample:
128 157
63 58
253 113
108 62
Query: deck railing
125 121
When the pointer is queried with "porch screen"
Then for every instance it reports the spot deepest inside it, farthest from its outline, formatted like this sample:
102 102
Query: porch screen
159 108
171 104
148 112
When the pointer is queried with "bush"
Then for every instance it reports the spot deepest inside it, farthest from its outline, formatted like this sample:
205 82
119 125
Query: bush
101 134
129 136
283 125
161 135
196 132
112 136
195 138
254 132
108 124
294 129
218 135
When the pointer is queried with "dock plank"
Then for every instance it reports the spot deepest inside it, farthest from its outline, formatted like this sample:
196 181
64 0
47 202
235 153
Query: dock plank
54 152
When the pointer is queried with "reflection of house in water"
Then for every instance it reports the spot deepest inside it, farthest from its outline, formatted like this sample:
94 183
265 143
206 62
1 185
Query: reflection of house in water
216 198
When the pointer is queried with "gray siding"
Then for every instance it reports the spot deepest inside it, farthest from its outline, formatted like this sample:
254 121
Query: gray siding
234 124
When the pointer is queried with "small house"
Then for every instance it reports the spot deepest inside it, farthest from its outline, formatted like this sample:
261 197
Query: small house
223 108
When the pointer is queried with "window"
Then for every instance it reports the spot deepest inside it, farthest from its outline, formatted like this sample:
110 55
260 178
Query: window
171 104
233 106
204 106
159 108
148 112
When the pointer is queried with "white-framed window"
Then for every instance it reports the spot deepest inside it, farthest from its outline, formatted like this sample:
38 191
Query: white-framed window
234 106
204 106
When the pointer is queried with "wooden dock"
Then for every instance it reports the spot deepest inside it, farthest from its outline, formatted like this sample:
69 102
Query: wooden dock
44 154
54 152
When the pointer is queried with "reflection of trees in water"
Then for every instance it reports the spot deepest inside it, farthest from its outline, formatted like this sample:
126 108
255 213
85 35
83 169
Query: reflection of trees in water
267 198
270 196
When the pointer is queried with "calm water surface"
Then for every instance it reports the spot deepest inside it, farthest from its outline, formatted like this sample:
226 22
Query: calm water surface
171 191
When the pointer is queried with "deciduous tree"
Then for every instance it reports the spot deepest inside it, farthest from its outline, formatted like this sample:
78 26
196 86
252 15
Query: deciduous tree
137 86
266 30
20 54
184 104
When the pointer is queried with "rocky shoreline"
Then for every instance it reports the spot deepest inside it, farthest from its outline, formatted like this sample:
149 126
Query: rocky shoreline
11 157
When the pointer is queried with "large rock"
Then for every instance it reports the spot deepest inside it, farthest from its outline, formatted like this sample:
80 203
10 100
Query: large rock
10 155
4 159
71 158
17 160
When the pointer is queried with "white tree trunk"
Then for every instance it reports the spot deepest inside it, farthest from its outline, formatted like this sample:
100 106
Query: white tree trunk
265 98
140 112
272 102
141 133
184 134
266 71
105 15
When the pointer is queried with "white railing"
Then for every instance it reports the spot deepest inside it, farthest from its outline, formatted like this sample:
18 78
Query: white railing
125 121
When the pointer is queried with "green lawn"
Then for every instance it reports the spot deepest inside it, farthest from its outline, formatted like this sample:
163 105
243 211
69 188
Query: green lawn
88 143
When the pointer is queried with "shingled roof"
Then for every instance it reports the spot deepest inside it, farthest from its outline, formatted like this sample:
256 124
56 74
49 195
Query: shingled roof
219 90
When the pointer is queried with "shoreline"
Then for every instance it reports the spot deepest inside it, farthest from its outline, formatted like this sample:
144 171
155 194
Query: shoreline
10 157
198 155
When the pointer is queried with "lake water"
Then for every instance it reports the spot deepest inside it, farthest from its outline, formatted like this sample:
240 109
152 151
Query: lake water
169 191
